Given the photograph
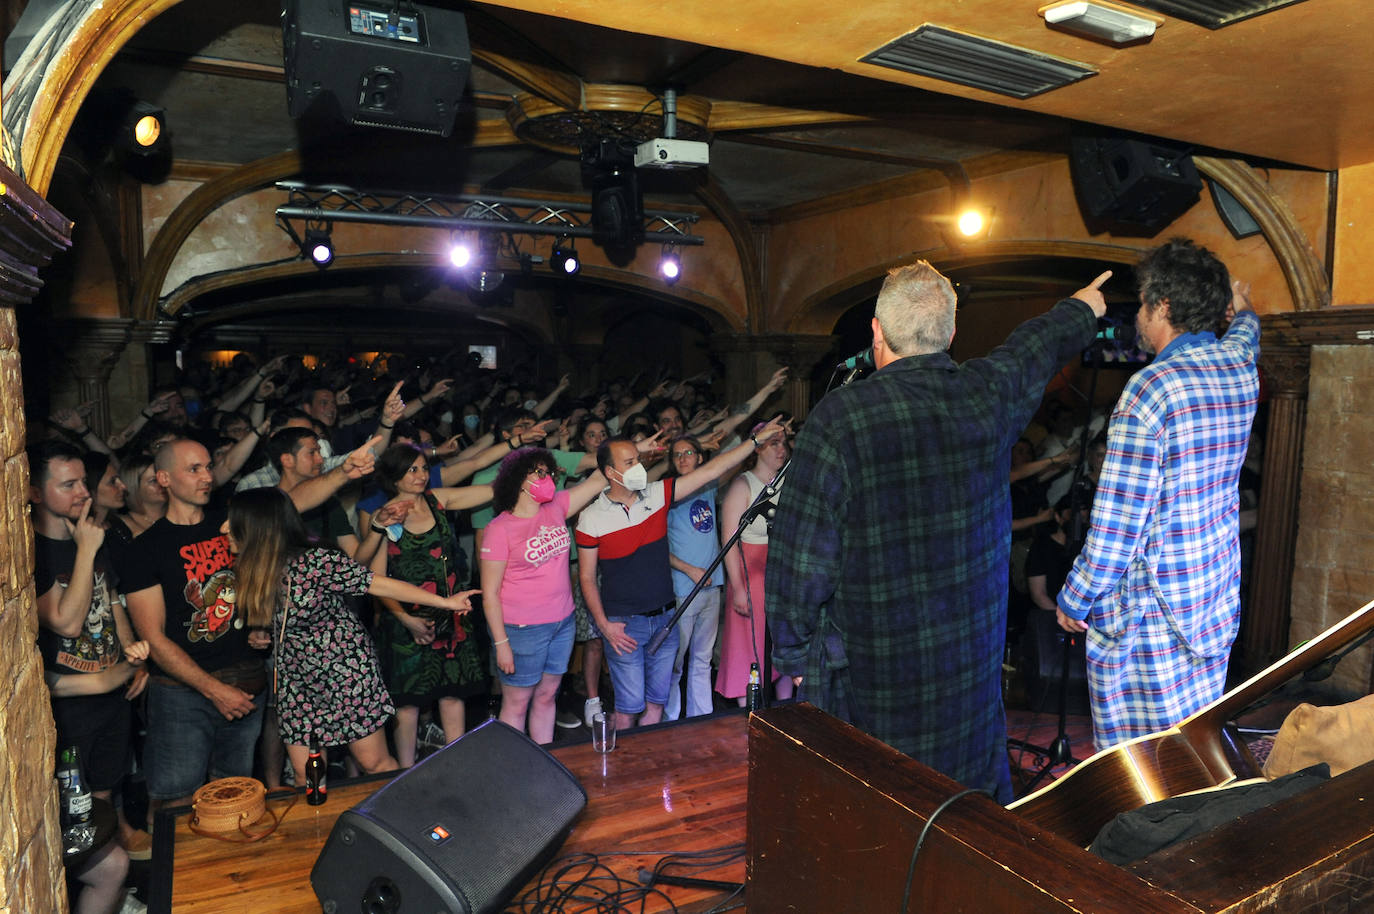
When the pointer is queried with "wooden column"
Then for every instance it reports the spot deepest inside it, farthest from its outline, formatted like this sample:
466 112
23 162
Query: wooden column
31 231
1264 630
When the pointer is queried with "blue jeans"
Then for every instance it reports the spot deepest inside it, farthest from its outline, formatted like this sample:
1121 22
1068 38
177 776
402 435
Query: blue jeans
639 676
539 649
697 631
188 739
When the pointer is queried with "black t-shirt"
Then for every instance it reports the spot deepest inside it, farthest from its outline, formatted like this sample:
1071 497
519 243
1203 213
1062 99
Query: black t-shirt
195 569
97 648
327 522
1053 560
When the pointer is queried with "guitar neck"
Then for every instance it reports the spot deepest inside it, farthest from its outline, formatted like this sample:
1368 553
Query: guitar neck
1304 658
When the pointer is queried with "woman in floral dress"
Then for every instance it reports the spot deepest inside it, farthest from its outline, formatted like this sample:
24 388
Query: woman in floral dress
426 657
327 681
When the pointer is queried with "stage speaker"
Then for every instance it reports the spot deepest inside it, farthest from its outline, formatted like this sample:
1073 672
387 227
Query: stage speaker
460 832
375 64
1130 186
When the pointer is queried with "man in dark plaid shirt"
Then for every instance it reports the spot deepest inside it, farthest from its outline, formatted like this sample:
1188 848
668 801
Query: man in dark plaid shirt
887 564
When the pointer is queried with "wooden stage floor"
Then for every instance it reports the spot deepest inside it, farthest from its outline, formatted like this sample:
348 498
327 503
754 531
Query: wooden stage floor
671 789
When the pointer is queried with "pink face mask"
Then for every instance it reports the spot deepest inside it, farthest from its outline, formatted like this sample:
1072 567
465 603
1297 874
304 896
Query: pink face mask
542 490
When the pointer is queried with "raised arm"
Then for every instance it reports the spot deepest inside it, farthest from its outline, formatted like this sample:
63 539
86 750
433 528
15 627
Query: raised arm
717 466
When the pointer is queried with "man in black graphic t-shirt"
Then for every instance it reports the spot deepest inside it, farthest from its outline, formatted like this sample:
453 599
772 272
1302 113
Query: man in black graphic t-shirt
205 699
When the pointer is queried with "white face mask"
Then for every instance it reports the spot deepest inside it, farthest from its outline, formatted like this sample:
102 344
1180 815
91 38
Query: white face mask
636 478
446 418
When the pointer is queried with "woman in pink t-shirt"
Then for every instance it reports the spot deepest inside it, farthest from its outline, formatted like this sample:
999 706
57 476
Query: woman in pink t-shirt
526 590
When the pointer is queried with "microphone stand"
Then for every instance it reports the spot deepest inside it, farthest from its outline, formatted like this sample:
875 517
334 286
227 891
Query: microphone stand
1060 751
758 506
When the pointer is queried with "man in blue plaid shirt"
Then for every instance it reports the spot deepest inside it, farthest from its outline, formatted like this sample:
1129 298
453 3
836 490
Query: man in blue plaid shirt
1157 585
887 562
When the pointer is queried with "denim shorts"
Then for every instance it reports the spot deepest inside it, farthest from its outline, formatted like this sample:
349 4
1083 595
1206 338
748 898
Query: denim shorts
189 742
639 676
541 648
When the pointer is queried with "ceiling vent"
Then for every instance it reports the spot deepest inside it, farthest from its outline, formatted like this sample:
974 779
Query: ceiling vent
956 57
1214 13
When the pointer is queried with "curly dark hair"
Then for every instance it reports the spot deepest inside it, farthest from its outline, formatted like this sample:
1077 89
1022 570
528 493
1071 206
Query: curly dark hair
392 466
1191 278
515 466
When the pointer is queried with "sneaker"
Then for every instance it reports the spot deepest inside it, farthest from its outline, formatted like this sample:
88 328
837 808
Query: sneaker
567 720
132 905
590 709
138 845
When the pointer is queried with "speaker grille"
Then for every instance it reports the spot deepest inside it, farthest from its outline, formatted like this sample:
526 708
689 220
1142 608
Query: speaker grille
1214 13
956 57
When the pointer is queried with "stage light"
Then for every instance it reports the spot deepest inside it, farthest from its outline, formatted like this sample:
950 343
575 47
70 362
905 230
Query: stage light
564 260
670 264
971 223
143 131
318 246
459 253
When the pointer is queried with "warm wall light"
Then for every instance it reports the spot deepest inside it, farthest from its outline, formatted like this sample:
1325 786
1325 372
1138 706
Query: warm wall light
1101 21
972 223
143 128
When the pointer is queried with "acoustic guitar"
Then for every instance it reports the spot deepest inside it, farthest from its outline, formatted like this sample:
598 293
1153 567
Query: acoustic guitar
1199 753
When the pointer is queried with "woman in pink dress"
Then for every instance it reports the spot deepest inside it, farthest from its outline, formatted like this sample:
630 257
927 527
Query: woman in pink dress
743 625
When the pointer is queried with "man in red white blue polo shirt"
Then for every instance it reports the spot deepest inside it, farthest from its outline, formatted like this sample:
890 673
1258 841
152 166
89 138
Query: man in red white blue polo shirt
624 536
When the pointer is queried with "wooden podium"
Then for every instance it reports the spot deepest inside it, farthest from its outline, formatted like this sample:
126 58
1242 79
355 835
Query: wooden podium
834 816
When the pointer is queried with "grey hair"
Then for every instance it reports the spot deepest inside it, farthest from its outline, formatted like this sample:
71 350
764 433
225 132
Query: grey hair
916 310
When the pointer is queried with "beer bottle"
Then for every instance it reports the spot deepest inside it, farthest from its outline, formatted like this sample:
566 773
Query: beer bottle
755 689
316 788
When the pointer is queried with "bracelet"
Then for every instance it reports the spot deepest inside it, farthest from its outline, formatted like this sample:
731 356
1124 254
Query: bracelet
144 414
755 439
83 432
510 442
376 529
501 642
384 425
259 399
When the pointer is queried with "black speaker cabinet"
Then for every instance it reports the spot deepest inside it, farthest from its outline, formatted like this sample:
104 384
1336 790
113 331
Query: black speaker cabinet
460 832
375 63
1131 186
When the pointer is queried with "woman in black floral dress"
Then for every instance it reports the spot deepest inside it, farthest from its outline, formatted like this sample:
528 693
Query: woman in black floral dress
327 681
426 656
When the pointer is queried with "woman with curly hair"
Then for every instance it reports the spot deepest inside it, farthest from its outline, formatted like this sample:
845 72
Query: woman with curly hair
327 683
425 656
526 588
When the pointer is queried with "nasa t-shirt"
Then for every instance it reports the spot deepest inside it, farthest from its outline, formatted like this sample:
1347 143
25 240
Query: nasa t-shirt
195 569
535 587
694 538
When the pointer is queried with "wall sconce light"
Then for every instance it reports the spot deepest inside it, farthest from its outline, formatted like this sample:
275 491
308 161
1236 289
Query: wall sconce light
144 129
1101 21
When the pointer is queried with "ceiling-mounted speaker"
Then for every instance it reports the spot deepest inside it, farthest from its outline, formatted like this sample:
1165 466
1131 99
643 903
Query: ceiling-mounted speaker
402 67
1132 186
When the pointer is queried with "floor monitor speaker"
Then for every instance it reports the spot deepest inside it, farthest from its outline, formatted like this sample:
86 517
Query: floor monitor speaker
460 832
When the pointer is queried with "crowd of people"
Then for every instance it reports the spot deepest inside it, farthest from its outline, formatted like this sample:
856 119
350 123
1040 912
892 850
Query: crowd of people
272 556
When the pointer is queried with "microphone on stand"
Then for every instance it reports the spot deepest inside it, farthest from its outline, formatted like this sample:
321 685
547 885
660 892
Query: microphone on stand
1123 335
856 365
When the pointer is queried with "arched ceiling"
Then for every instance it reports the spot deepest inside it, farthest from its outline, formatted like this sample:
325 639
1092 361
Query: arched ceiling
794 119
